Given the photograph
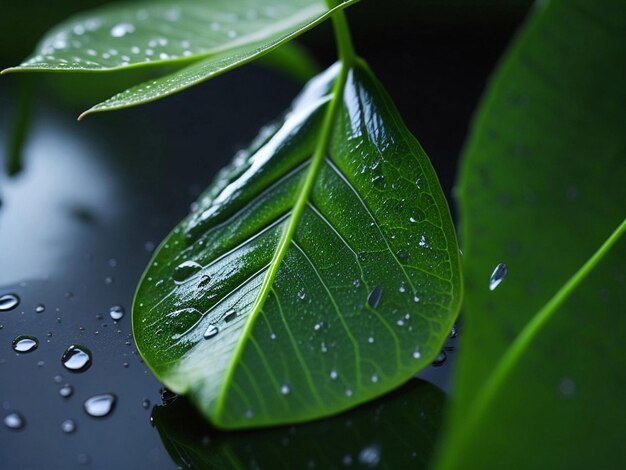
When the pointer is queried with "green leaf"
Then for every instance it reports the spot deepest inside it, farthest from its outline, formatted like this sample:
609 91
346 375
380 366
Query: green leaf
319 271
541 188
397 432
218 36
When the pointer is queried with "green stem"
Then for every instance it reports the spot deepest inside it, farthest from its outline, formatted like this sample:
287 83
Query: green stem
343 38
515 352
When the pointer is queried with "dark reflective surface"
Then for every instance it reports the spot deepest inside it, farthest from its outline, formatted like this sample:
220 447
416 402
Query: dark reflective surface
78 224
399 431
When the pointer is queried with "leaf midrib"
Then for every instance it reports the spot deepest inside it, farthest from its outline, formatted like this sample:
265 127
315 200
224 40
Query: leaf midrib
514 353
301 202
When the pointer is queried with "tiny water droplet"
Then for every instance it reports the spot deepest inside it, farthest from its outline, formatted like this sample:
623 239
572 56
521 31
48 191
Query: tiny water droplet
423 243
76 358
284 389
40 308
117 312
454 332
418 183
347 460
374 378
349 392
370 456
24 344
230 316
100 406
567 387
145 404
440 359
8 302
370 339
122 29
498 275
356 283
211 331
417 354
333 374
68 426
375 296
416 298
403 255
301 294
205 280
66 391
185 270
14 421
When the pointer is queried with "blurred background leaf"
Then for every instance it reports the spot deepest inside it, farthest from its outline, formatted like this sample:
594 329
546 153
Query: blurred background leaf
541 187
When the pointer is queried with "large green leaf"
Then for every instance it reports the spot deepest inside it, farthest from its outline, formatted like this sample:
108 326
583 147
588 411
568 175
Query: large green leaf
399 431
542 186
319 271
219 34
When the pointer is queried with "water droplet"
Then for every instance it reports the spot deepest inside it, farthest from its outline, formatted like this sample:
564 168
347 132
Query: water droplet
205 280
333 374
301 294
370 339
145 404
375 296
356 283
14 421
423 243
66 391
440 359
211 331
284 389
40 308
347 460
230 316
416 298
374 378
122 29
117 312
454 332
249 414
418 183
76 358
417 354
68 426
403 255
498 275
100 406
8 302
349 392
567 387
25 344
370 456
318 326
185 270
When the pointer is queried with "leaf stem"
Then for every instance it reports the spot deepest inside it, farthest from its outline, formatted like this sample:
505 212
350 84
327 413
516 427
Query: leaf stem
506 364
345 49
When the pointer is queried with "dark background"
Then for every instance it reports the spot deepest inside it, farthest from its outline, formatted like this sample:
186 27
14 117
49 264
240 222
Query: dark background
77 225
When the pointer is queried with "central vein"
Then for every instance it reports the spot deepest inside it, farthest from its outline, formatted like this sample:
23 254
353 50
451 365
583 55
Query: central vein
303 196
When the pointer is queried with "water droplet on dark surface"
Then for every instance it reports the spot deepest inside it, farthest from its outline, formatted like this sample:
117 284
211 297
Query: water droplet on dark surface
100 406
498 275
117 312
185 270
66 391
403 255
68 426
285 389
440 359
301 294
211 331
14 421
145 404
375 296
24 344
40 308
454 332
76 358
8 302
370 456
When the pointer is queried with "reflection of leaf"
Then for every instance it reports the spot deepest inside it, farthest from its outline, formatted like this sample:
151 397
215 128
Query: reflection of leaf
214 37
542 186
318 272
397 432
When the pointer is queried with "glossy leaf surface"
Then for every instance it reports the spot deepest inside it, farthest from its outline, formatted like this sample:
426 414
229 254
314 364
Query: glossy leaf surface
398 431
319 271
541 188
204 38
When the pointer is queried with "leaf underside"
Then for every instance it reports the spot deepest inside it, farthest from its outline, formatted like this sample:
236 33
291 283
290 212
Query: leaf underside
541 188
322 266
203 38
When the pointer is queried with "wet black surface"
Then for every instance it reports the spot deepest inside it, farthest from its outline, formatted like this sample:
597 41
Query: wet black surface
77 227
